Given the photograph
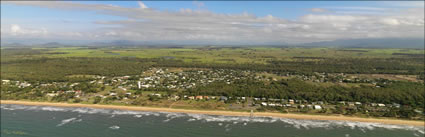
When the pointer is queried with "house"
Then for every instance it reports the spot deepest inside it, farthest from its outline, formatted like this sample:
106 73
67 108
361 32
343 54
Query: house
263 104
199 97
223 98
51 94
112 94
146 86
128 94
357 103
206 97
373 104
317 107
381 105
78 92
396 105
291 101
139 84
5 81
176 97
159 95
243 98
310 106
191 97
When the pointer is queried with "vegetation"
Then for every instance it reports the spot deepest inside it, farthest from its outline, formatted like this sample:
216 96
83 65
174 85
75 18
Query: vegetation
111 75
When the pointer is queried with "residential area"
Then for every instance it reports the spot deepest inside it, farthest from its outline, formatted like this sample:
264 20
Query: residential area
166 87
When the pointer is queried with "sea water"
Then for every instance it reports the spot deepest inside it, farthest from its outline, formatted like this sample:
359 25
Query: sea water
47 121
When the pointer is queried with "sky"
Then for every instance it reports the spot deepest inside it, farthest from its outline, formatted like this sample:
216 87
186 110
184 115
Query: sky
208 22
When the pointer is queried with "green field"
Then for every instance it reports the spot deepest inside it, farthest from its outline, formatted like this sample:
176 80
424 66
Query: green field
217 55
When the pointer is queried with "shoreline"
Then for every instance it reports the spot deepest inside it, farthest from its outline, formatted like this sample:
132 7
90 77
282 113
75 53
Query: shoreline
225 113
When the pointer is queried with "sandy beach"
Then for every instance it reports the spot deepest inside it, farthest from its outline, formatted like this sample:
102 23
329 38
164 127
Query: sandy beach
227 113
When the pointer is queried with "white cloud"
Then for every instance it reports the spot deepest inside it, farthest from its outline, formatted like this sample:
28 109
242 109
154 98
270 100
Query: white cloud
16 30
142 5
205 26
390 21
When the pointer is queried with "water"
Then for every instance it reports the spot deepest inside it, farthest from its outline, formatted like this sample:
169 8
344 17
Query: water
46 121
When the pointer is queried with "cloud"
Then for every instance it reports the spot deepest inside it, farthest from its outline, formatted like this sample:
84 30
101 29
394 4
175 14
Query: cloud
360 8
203 26
319 10
411 4
18 30
198 4
142 5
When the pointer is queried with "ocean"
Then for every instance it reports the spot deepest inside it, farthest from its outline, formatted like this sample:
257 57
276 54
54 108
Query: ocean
47 121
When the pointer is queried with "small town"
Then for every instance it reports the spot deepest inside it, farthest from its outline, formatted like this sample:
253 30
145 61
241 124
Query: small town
163 87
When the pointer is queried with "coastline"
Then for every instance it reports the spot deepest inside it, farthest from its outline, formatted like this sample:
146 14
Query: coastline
225 113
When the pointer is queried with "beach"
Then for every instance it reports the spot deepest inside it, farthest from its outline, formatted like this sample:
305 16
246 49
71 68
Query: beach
225 113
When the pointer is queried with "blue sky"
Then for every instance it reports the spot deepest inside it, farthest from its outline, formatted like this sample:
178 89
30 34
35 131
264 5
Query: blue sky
203 21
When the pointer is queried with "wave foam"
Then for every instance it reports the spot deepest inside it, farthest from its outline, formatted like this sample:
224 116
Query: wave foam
66 121
305 124
114 127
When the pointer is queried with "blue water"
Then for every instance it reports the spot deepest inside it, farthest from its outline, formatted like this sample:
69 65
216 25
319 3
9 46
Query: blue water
46 121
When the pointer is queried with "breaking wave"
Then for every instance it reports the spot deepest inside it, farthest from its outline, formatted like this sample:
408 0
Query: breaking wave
70 120
296 123
114 127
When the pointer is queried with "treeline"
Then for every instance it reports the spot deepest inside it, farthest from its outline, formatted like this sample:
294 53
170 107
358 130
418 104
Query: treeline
58 69
406 93
413 66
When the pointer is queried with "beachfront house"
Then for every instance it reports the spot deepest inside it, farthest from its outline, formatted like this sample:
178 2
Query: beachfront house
317 107
223 98
199 97
291 101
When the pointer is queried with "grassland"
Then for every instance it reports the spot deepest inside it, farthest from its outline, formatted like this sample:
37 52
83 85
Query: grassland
221 55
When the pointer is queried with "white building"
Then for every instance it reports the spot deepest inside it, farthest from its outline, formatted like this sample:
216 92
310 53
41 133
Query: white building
139 84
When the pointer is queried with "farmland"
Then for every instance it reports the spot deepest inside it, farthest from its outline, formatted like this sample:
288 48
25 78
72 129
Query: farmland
218 55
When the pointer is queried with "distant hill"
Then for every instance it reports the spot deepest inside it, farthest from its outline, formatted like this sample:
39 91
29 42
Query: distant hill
371 43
